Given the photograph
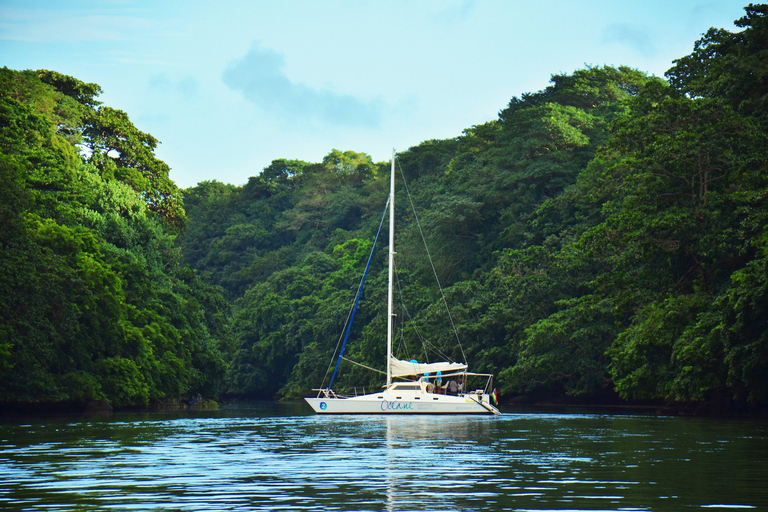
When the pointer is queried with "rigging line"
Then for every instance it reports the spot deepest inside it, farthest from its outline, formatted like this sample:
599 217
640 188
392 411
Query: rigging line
424 342
359 293
351 310
406 313
439 352
346 322
402 346
412 322
418 224
366 367
349 315
341 336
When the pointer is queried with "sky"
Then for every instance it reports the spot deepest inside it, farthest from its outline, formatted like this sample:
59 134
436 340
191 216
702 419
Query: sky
229 86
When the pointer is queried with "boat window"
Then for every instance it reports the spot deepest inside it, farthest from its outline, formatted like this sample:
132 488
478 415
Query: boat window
408 387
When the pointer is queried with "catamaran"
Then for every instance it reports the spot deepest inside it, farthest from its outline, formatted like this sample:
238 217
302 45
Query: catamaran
426 388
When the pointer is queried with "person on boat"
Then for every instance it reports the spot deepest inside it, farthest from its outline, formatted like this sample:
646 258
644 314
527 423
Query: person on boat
460 385
453 388
430 387
439 382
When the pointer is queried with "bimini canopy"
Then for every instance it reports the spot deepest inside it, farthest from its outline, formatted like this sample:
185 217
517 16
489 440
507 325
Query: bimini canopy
402 368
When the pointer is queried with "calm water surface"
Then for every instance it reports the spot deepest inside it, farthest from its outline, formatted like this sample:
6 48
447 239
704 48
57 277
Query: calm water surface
279 457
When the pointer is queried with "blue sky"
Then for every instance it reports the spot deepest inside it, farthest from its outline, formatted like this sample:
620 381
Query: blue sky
229 86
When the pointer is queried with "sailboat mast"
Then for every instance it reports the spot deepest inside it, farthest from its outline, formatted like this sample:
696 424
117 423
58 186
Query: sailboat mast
391 268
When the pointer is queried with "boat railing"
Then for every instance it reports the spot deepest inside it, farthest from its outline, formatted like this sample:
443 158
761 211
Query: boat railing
487 390
326 393
329 393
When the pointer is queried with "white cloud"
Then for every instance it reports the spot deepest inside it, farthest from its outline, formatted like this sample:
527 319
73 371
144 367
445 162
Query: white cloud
633 36
260 77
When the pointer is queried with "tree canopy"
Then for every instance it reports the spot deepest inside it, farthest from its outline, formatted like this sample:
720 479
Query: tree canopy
605 238
95 302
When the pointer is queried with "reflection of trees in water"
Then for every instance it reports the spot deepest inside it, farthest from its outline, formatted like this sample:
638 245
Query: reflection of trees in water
423 462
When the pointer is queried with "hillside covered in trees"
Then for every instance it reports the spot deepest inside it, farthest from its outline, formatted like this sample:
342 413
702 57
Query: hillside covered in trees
605 238
94 301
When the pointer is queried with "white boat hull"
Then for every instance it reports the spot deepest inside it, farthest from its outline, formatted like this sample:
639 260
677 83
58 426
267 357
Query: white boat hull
383 404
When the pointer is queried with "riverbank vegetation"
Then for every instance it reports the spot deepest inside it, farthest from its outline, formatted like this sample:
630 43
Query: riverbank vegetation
605 238
95 301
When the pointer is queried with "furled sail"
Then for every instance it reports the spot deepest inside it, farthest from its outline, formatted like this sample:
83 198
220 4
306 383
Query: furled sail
403 368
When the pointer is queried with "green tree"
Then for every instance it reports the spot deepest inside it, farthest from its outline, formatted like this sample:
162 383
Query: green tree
730 65
94 301
682 222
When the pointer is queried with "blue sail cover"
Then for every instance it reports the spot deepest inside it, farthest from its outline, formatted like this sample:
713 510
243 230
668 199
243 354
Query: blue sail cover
357 299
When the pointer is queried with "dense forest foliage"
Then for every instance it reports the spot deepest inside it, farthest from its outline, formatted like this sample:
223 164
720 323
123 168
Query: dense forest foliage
604 238
94 300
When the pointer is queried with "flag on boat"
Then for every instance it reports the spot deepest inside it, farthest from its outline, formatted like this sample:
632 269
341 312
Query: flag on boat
495 398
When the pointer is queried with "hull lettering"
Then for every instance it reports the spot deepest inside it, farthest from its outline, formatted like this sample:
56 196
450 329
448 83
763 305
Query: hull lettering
386 405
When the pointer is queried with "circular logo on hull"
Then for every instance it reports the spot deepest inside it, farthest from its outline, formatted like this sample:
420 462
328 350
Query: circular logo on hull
323 406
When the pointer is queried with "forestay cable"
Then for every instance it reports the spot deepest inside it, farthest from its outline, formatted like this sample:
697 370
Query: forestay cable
357 299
